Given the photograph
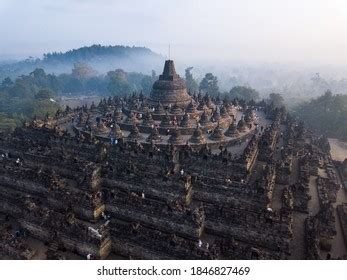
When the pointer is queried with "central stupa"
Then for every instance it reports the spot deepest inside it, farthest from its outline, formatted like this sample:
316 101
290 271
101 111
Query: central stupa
170 89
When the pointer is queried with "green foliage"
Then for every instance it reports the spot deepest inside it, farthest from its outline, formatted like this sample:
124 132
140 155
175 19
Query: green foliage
72 85
33 94
243 93
42 107
118 82
44 94
28 96
191 84
121 82
20 89
100 57
83 81
6 83
82 71
87 53
96 85
118 86
7 124
209 84
146 84
276 100
326 114
118 74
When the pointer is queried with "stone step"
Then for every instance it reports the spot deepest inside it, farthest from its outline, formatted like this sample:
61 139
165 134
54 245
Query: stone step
53 246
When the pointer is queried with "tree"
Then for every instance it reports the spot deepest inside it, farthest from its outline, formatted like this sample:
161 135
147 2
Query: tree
20 89
146 84
44 94
276 100
154 76
326 114
140 82
191 84
118 83
119 74
209 84
41 108
54 83
38 78
6 83
73 85
38 73
96 85
6 124
244 93
83 71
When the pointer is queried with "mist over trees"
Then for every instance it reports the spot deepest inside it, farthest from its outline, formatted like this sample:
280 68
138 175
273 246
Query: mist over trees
6 123
89 53
146 82
100 58
94 71
37 93
295 84
243 93
118 83
191 83
28 96
276 100
326 115
209 84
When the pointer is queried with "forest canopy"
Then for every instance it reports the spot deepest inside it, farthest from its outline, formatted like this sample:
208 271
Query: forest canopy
101 58
326 115
37 94
33 87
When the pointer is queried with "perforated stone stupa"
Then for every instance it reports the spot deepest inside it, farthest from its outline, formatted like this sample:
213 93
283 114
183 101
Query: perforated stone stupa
170 88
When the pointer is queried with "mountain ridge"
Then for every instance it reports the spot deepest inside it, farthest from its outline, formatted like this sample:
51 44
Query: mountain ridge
101 58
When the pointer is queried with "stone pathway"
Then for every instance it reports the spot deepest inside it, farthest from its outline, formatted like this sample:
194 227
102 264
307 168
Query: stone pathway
313 204
298 243
339 246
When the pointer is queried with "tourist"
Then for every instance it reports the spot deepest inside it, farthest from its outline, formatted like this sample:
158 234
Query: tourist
104 216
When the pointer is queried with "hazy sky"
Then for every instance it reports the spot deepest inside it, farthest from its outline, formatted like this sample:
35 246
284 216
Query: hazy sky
284 31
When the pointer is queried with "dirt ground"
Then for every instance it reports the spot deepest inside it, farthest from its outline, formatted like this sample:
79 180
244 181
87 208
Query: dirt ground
338 149
79 101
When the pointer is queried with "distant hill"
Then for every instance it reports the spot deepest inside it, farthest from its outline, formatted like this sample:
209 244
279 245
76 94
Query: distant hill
101 58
